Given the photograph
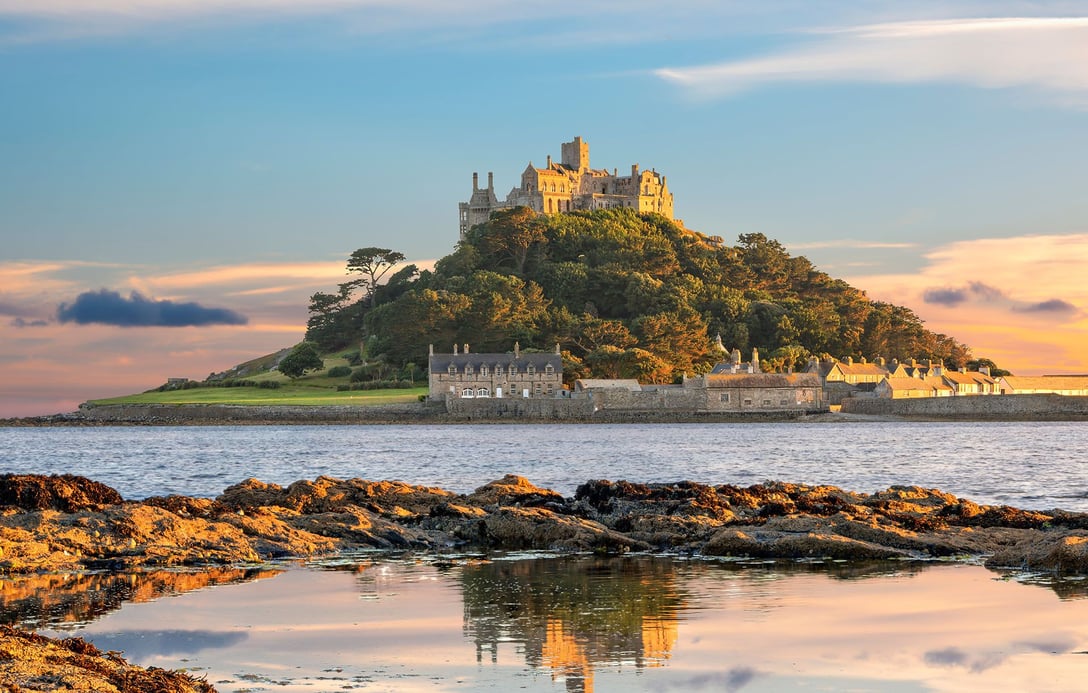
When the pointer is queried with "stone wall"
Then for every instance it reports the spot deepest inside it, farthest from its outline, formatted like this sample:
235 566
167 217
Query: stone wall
996 407
167 414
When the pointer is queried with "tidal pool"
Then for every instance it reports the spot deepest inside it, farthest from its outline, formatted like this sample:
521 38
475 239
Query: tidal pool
578 623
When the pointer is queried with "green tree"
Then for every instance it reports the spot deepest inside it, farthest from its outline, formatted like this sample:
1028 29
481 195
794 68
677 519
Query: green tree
372 264
303 357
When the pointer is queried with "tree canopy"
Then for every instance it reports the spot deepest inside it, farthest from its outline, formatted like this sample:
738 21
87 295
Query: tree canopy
625 294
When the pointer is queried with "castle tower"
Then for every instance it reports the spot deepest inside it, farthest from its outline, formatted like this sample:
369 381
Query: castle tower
576 154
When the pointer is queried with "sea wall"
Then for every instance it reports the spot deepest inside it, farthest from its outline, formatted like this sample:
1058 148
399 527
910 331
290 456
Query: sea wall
238 414
978 408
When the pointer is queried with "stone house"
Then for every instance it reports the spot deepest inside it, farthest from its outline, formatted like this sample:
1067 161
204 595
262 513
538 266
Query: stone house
911 387
965 382
513 374
729 392
570 185
1069 385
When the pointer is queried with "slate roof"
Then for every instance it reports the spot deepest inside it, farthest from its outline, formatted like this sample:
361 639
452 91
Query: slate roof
1047 382
969 378
601 383
928 384
440 363
764 380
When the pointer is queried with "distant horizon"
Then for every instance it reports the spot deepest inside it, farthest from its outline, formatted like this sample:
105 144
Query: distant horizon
197 169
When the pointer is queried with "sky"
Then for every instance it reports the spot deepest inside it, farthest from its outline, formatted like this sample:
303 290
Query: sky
177 177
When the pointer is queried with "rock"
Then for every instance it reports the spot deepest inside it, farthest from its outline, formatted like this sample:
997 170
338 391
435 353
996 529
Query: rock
34 662
538 528
512 490
66 493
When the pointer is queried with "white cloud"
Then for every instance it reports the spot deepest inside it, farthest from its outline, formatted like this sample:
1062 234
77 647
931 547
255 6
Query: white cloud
1049 53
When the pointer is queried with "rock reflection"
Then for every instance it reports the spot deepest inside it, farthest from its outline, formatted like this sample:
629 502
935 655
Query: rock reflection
575 614
64 601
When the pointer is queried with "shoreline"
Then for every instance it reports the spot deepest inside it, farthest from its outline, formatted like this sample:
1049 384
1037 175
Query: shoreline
431 414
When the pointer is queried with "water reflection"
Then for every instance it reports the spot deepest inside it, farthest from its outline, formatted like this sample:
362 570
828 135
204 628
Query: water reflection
69 600
574 614
597 624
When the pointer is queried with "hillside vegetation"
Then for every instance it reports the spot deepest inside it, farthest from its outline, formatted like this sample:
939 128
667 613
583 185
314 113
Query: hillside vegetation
624 294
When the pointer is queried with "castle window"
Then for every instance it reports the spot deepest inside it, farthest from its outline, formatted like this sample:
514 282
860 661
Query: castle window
468 393
549 369
530 369
498 369
452 370
483 370
483 392
513 370
468 369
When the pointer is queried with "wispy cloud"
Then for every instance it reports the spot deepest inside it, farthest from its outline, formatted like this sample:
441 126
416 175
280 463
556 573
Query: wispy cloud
848 243
1047 53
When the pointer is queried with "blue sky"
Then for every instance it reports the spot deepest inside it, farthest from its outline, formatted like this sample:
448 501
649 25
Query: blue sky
230 154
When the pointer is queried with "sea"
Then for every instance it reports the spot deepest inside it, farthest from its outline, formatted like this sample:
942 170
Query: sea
543 622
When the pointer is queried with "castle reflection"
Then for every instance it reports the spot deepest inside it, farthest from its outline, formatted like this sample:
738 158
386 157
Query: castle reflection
575 614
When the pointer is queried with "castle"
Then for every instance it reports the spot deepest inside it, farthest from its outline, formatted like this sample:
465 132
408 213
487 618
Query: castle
570 185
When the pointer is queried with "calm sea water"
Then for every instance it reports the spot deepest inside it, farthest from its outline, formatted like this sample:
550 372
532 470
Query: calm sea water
1028 465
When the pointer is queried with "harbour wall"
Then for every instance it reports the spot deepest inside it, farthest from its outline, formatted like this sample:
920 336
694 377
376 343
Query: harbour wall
975 408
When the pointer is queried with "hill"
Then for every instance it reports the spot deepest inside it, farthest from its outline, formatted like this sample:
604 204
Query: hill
624 294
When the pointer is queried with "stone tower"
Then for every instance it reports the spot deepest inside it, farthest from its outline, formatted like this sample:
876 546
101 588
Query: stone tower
576 155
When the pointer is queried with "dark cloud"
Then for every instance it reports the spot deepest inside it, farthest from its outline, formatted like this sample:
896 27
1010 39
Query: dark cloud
985 291
949 656
1054 305
110 308
20 322
945 297
14 310
732 680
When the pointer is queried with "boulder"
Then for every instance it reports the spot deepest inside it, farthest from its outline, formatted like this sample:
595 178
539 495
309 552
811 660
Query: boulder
67 493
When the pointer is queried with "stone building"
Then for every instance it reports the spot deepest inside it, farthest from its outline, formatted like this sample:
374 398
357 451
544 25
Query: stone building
570 185
1068 385
467 375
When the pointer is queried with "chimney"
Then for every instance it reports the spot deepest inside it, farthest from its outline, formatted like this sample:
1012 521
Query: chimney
466 347
455 349
549 161
490 180
849 360
557 352
634 170
517 350
430 349
475 181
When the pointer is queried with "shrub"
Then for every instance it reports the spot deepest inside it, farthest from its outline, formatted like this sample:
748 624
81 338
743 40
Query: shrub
339 372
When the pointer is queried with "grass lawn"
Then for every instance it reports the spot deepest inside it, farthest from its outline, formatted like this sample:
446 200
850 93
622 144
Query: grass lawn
286 394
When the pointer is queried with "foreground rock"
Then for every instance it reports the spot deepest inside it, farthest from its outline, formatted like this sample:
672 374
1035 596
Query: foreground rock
31 662
72 523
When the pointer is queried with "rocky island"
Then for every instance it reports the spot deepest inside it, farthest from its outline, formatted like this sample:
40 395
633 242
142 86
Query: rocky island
52 524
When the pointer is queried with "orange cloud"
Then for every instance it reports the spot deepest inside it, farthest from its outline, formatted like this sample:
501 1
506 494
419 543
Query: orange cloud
1021 301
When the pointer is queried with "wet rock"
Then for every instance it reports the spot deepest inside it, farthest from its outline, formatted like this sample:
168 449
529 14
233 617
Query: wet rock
763 543
537 528
67 493
36 663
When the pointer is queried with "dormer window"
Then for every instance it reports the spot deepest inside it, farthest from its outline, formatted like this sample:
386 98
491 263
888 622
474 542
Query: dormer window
530 369
513 370
468 369
549 369
483 370
452 370
498 369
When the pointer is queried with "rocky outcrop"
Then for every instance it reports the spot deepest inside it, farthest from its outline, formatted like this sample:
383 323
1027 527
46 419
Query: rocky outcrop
69 523
35 663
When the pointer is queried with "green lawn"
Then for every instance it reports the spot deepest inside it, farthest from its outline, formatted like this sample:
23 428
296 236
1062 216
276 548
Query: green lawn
286 394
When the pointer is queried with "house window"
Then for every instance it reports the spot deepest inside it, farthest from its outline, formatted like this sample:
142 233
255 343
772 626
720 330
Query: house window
468 392
468 370
747 402
452 369
766 402
530 369
483 392
725 396
550 389
498 370
537 388
513 370
549 369
784 402
483 370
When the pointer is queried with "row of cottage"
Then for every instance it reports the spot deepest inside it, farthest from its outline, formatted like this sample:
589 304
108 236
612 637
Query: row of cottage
913 379
732 385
